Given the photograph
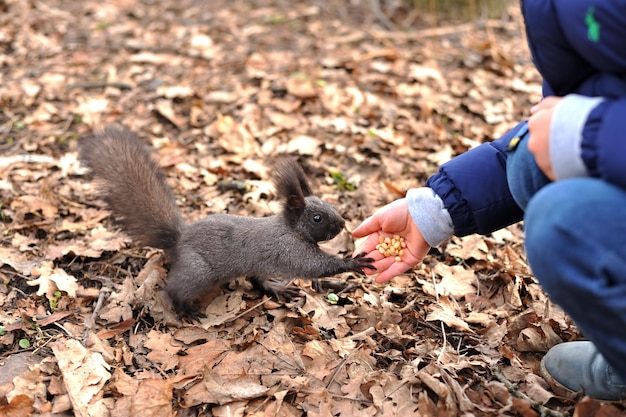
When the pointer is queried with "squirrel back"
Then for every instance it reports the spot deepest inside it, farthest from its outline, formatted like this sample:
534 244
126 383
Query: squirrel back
134 187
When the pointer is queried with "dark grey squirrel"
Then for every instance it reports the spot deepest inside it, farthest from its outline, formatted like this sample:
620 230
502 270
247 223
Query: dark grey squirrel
220 247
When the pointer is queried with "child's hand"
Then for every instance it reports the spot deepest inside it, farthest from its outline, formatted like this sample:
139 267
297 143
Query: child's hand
392 219
539 127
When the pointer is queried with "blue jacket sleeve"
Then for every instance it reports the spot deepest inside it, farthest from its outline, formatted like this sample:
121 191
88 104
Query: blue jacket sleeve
474 188
604 142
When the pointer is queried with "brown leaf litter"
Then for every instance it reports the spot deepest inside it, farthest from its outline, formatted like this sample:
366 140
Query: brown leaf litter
217 88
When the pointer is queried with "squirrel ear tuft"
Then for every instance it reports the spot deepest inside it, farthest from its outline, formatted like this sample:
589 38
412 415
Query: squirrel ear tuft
290 182
294 203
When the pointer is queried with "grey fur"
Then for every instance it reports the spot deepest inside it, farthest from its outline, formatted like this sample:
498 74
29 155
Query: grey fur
220 247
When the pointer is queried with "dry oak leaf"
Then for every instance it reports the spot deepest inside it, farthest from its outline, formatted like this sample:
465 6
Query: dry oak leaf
301 86
473 246
304 145
29 383
175 91
20 406
33 204
162 350
149 293
100 240
24 243
198 359
326 316
17 260
445 311
118 307
446 403
222 309
217 390
52 280
148 398
232 136
456 282
84 375
165 108
92 109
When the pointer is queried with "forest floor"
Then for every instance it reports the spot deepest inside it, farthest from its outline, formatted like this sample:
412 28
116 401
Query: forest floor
217 88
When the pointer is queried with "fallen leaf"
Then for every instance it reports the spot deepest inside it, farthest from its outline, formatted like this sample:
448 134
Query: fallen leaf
19 406
51 280
446 311
163 351
84 375
220 391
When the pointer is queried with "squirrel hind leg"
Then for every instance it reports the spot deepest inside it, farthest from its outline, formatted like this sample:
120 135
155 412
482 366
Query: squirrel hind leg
190 312
184 288
185 309
275 288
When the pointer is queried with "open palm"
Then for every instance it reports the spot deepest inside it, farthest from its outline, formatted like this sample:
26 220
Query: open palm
392 219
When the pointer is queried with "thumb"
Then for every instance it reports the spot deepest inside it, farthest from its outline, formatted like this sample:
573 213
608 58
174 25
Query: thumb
369 226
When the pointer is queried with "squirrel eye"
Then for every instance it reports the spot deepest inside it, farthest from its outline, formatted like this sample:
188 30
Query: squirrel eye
317 218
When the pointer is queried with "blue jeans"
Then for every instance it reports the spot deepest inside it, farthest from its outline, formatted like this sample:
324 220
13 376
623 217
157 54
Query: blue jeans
576 247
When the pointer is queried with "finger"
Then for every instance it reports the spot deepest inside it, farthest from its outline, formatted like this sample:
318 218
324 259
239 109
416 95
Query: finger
382 265
396 268
549 101
546 103
369 226
368 245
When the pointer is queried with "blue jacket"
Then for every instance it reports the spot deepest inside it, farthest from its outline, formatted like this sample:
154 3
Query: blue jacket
579 47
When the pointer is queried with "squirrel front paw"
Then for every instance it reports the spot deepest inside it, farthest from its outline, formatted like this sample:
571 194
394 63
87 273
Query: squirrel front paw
357 263
275 288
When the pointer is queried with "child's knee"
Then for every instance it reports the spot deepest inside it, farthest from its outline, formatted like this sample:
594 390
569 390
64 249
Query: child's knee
551 221
550 215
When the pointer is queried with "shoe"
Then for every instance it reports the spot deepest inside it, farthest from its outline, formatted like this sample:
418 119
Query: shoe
578 367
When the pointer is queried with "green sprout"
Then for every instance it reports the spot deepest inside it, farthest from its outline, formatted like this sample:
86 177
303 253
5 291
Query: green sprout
3 216
66 137
276 19
300 75
341 183
54 302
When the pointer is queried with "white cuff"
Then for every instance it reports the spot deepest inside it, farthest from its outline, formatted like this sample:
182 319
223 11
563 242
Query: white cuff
429 215
566 135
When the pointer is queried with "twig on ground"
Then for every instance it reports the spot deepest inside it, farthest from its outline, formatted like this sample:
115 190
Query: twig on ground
543 410
380 15
99 84
445 343
104 292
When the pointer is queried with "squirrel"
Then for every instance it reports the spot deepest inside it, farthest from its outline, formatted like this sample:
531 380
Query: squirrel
220 247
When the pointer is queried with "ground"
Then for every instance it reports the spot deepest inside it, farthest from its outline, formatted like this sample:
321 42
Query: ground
370 106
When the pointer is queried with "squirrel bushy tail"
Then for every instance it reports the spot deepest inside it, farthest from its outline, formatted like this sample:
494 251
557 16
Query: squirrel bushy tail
134 187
